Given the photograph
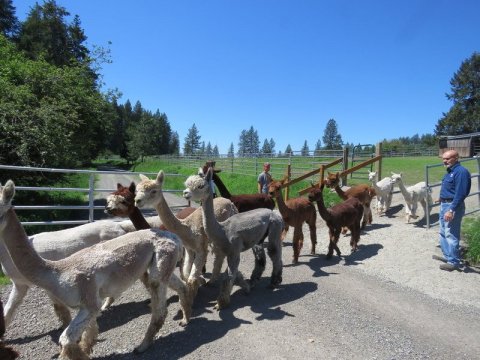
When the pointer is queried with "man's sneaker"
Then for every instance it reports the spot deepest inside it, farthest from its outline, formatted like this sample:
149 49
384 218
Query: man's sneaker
449 267
439 258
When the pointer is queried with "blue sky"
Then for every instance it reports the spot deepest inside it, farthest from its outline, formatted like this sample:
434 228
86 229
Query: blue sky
380 68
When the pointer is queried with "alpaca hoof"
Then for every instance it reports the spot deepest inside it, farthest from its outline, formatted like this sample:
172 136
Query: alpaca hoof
329 256
276 280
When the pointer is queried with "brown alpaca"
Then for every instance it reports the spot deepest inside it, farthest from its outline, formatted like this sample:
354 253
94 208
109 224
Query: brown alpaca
363 192
295 212
243 202
347 214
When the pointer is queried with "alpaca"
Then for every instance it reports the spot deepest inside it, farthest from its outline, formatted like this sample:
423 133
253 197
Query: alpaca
238 233
6 352
346 214
362 192
243 202
122 203
105 269
56 245
149 193
384 191
412 195
295 212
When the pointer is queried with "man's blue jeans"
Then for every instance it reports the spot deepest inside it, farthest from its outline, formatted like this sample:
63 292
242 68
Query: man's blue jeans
450 233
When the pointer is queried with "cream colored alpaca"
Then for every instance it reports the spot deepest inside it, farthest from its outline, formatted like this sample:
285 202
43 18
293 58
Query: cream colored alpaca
149 193
81 280
383 191
240 232
412 195
56 245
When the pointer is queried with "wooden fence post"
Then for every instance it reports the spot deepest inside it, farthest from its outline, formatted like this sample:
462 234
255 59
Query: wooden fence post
345 165
378 151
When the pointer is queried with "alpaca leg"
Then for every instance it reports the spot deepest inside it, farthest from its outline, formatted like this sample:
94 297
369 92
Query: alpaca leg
89 337
106 304
218 259
15 298
196 279
187 263
313 236
297 243
240 281
284 232
260 263
180 288
159 314
275 253
63 313
71 336
223 299
424 206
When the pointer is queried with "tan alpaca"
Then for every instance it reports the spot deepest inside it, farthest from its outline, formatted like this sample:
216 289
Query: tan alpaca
83 279
240 232
149 193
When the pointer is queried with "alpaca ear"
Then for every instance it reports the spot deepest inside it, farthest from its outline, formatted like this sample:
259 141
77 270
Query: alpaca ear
9 190
143 177
132 187
209 174
119 186
201 171
160 177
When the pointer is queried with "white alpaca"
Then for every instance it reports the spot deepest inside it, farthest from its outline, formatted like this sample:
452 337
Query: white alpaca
83 279
242 231
56 245
412 195
149 193
383 190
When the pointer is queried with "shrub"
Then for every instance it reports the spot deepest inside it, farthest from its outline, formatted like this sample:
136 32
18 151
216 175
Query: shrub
471 232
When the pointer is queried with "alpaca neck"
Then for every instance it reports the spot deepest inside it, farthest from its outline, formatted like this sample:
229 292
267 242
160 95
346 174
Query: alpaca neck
169 220
138 220
404 191
25 258
323 211
340 192
212 227
282 207
221 187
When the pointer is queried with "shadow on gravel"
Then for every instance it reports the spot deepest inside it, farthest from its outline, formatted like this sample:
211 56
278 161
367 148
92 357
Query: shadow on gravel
318 263
393 210
53 334
261 300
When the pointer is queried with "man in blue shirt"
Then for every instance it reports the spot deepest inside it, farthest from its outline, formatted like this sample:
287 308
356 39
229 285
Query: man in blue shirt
455 188
264 179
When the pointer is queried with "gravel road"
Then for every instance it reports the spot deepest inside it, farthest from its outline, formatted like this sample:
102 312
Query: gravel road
389 300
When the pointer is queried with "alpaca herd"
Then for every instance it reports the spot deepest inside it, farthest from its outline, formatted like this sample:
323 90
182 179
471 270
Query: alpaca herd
82 267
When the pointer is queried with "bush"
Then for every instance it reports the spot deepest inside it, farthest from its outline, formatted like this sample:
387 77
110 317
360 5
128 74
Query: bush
471 232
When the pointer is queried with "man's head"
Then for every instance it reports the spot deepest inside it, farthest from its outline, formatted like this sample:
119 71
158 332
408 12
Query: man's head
266 166
450 157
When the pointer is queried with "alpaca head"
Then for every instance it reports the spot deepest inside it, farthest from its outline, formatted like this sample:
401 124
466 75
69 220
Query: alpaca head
149 192
197 187
396 177
275 186
372 175
121 202
316 192
332 179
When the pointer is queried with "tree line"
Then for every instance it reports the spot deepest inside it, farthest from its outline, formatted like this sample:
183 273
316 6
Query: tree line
53 111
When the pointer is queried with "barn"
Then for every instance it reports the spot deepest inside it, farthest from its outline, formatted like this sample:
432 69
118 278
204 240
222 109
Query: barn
467 145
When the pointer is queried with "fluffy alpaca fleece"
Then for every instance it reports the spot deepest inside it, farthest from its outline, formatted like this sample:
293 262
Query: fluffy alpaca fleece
240 232
56 245
346 214
295 212
383 191
412 196
149 193
81 280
